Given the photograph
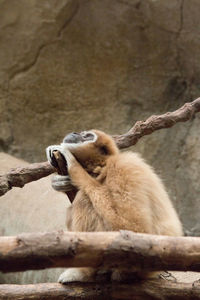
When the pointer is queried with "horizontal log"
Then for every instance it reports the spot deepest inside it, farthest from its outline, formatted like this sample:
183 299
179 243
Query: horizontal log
123 249
154 289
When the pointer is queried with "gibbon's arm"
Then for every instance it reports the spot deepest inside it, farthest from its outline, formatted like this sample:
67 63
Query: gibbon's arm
98 194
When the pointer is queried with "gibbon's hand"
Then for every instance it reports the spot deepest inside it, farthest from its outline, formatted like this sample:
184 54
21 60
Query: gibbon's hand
64 151
50 156
61 183
69 157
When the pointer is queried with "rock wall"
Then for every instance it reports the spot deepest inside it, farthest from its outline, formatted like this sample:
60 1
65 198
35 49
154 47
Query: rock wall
71 65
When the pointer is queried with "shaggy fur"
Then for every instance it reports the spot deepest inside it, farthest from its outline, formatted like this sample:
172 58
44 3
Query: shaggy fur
117 190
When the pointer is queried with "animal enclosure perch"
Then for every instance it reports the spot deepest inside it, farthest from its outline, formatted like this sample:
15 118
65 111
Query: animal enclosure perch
100 249
146 290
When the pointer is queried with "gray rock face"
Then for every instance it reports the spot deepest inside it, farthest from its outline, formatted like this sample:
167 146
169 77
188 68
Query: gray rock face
71 65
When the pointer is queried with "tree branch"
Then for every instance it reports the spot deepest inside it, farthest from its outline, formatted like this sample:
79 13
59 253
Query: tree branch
153 123
105 250
150 289
20 176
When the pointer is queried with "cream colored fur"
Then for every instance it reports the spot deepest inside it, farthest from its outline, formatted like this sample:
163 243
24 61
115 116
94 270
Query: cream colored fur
116 191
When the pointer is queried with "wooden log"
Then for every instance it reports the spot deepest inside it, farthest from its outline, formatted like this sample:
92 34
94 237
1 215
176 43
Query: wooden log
144 290
122 249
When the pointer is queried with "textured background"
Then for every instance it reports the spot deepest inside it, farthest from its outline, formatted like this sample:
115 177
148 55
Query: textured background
71 65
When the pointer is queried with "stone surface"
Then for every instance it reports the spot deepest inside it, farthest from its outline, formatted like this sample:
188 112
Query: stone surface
70 65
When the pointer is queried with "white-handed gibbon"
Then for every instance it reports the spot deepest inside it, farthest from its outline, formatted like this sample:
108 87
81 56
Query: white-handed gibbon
116 190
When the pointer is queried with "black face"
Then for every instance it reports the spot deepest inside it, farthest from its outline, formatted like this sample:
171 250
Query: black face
75 138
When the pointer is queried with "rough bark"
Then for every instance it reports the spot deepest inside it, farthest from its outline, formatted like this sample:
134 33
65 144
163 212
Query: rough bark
19 177
153 123
100 249
146 290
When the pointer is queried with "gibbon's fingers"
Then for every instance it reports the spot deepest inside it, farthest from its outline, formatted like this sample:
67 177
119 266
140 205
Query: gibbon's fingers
61 183
69 157
49 153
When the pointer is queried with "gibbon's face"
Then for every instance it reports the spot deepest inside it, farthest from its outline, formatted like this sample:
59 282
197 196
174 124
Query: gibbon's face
91 148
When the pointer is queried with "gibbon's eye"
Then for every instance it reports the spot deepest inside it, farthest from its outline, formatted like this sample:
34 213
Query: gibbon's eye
104 150
87 136
73 138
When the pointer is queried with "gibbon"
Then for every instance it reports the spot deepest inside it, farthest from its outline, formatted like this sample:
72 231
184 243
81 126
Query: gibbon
116 190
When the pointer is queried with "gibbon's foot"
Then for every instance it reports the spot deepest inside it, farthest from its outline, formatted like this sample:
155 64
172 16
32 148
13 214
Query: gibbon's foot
75 274
61 183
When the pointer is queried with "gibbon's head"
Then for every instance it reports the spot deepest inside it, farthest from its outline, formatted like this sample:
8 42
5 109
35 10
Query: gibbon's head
91 148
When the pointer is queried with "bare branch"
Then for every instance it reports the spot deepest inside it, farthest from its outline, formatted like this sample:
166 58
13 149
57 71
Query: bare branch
107 250
150 289
20 176
153 123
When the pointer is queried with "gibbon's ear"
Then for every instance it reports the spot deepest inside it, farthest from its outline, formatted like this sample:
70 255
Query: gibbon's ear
104 150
